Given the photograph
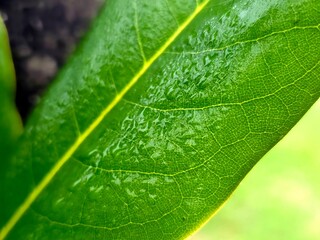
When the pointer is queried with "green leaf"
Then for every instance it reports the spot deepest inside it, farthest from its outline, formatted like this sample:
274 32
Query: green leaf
162 111
10 124
280 198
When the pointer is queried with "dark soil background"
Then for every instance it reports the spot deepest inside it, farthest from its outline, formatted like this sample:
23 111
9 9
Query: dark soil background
42 35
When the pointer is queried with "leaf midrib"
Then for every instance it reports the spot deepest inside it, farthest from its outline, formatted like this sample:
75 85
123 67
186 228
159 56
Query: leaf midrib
81 138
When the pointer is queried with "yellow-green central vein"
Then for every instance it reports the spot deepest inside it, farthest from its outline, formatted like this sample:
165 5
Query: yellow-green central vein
81 138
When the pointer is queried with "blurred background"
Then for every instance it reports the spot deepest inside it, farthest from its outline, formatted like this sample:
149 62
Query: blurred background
42 35
280 197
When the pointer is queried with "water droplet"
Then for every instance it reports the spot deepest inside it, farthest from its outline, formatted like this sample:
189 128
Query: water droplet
131 193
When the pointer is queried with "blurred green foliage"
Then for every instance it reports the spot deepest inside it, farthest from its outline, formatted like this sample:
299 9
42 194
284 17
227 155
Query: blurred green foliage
10 124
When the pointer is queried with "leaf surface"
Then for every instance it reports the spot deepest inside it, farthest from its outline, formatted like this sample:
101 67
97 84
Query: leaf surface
162 111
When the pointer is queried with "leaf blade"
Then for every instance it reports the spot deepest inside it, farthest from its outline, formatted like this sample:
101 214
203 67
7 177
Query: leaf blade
46 180
153 157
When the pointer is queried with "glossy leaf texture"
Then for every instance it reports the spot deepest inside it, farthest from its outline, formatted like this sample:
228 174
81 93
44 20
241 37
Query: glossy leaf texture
10 123
162 111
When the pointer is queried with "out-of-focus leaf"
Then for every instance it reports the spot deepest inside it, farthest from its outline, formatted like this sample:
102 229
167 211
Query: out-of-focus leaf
10 124
160 114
